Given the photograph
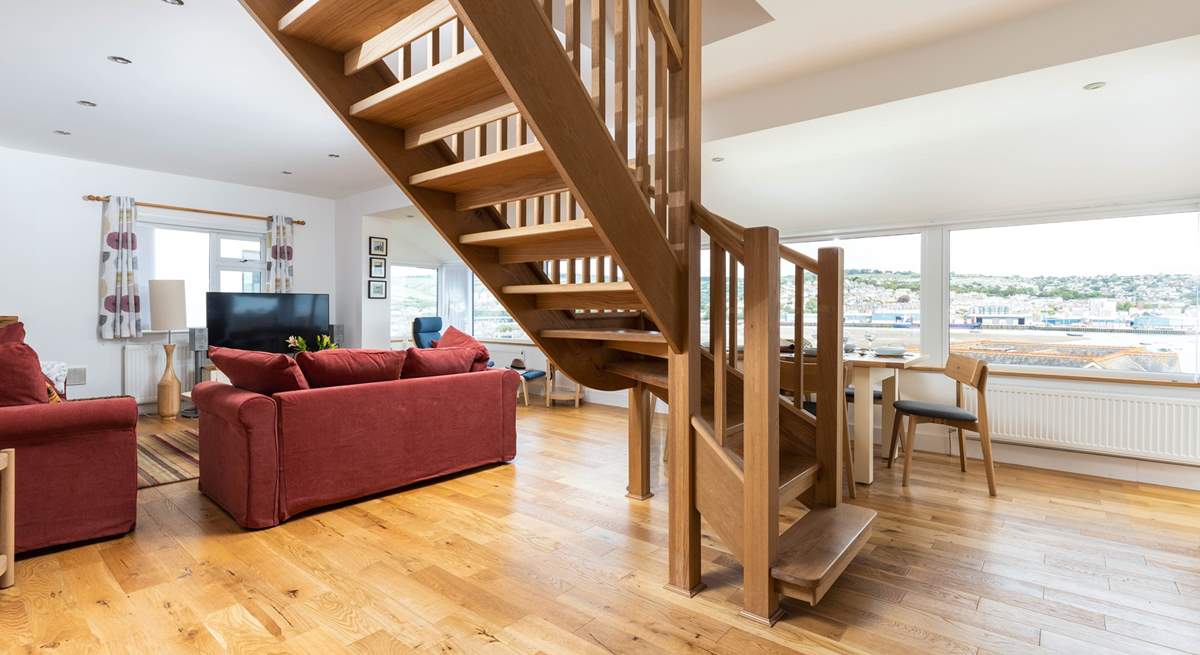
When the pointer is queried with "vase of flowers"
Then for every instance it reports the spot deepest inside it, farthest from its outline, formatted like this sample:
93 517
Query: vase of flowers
300 345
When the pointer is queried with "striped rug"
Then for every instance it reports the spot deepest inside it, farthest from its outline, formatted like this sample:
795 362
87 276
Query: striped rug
168 457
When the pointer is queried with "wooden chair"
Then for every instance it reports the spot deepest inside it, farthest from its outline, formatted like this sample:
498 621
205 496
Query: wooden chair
787 383
552 394
8 488
528 376
964 371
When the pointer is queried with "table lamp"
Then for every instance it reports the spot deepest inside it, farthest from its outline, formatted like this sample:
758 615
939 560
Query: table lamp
168 311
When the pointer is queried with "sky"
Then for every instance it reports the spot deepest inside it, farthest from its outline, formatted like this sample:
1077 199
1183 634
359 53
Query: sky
1124 246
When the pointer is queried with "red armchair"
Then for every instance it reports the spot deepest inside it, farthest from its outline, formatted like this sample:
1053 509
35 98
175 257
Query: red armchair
78 475
265 459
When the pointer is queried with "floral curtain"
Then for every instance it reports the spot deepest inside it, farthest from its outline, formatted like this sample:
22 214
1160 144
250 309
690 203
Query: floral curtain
279 259
120 302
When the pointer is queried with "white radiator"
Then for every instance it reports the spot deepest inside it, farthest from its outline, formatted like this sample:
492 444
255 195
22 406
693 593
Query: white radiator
143 368
1150 424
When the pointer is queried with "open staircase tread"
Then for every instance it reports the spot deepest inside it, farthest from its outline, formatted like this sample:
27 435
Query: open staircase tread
343 24
811 550
583 287
458 82
530 234
606 334
650 371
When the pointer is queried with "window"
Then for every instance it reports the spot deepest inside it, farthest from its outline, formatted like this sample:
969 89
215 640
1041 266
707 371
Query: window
414 293
1117 294
205 261
490 319
882 291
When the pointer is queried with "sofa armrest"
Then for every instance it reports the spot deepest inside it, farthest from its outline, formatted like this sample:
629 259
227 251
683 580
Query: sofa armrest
233 405
64 419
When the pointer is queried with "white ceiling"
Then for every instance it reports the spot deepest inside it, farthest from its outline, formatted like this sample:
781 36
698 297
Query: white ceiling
1029 142
208 95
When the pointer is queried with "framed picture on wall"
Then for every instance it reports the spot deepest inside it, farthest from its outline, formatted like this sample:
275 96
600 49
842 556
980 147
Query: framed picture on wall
378 268
378 247
376 289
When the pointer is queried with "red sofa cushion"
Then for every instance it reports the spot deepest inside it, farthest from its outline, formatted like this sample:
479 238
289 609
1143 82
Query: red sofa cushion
344 366
428 362
24 383
265 373
12 333
455 338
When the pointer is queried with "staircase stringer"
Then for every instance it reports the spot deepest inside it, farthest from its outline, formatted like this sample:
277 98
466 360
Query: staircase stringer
324 70
518 41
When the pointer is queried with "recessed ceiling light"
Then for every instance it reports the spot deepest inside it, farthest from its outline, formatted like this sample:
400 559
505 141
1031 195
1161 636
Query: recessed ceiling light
1094 86
62 132
176 3
718 159
119 60
286 172
333 155
85 103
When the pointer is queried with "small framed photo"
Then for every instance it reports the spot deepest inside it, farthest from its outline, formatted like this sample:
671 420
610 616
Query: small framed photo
377 289
378 247
378 268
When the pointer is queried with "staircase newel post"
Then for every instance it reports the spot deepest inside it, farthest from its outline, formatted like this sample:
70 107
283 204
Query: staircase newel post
683 177
831 410
761 406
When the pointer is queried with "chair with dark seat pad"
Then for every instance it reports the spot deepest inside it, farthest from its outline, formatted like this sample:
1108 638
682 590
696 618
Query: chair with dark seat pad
426 330
965 371
876 395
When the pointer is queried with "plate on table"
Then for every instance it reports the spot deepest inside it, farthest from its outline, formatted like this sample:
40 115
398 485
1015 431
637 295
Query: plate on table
891 351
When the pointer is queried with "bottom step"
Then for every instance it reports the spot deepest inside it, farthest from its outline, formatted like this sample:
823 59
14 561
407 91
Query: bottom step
817 548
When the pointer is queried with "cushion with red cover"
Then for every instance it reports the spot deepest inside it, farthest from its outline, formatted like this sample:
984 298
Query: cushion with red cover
455 338
12 333
428 362
343 366
265 373
21 372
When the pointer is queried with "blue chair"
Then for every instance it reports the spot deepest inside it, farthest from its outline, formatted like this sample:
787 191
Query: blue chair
426 330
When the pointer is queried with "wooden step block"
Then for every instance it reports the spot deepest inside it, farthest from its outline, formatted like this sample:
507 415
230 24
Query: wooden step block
797 474
399 34
513 174
449 124
592 295
458 82
344 24
539 243
607 334
650 371
817 548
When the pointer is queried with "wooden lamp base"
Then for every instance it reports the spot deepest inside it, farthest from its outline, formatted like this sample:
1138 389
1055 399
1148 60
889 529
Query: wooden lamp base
169 387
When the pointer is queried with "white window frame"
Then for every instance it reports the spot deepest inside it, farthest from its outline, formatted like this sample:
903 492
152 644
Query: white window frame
437 294
217 263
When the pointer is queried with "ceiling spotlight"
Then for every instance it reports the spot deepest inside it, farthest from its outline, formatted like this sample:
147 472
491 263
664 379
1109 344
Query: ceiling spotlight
85 103
334 155
1094 86
286 172
119 60
718 159
62 132
174 3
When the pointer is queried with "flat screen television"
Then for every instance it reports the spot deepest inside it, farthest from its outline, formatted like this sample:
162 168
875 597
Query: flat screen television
264 321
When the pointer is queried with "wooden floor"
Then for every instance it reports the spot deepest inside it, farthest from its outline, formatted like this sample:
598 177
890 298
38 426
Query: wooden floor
547 556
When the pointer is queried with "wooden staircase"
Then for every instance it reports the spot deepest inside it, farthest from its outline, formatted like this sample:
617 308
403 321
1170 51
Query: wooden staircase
523 160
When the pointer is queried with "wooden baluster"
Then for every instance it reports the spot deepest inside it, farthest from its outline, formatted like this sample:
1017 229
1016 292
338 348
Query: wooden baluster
831 386
481 141
761 442
502 134
716 325
574 27
434 55
458 37
621 76
406 62
555 217
600 57
798 338
733 312
642 94
548 7
660 133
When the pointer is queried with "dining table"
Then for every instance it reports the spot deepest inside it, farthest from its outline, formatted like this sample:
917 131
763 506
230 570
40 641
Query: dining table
867 370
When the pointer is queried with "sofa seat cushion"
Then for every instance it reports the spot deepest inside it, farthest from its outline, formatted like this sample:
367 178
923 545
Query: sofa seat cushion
23 383
455 338
344 366
12 333
429 362
265 373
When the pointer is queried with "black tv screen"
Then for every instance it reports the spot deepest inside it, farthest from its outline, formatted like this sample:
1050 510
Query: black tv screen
264 321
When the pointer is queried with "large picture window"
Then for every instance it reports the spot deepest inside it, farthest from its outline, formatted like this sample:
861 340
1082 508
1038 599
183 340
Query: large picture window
205 261
490 319
414 293
882 291
1118 294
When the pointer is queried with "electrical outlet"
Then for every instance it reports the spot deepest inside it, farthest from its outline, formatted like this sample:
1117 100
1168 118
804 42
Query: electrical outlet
76 375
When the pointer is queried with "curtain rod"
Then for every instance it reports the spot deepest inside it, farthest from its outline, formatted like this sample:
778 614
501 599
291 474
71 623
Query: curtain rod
95 198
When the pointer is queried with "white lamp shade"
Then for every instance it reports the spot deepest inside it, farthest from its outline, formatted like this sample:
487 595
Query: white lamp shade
168 305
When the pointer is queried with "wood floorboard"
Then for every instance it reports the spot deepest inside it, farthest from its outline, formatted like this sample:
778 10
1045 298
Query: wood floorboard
547 556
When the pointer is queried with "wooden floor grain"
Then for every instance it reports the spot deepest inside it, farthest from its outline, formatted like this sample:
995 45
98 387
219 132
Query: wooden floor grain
546 555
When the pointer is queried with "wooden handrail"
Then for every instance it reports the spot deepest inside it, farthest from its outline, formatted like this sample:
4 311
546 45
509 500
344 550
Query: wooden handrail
726 233
799 259
662 22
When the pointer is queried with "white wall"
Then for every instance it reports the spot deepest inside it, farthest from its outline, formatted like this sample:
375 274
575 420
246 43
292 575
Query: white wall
50 248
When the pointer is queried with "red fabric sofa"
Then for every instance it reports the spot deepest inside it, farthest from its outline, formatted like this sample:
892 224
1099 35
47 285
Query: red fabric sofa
76 469
266 458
